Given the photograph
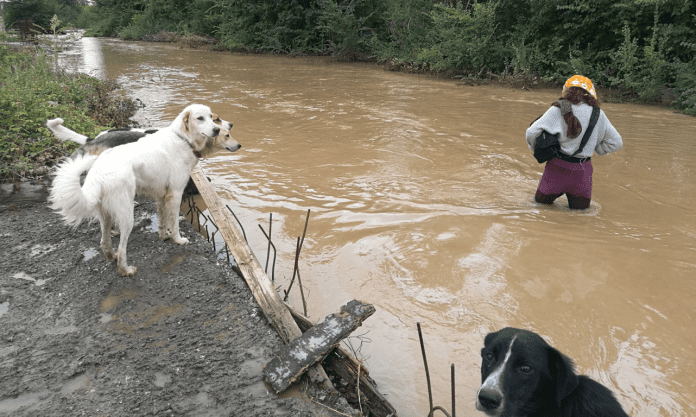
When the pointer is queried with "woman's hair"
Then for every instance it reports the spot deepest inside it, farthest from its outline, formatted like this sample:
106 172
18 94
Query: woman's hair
576 95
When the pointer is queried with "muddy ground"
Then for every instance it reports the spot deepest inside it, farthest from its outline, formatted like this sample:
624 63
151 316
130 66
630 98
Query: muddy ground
184 336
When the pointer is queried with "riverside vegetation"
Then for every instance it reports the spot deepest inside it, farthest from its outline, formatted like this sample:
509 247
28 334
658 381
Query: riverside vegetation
637 50
33 89
642 48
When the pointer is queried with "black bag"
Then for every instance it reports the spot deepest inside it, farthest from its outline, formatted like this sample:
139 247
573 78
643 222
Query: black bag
547 146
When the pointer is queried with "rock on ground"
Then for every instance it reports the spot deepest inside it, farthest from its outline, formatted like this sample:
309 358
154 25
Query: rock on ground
184 336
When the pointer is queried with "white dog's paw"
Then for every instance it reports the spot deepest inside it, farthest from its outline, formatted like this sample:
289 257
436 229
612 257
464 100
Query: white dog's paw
181 241
128 271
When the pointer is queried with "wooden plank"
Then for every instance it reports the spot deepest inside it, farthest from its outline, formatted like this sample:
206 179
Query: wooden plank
266 296
297 356
340 362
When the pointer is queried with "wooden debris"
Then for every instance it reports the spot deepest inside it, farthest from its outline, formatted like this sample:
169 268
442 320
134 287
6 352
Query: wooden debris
340 362
313 346
266 296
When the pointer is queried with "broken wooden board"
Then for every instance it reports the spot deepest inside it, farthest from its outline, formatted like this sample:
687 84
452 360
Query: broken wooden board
357 377
261 287
297 356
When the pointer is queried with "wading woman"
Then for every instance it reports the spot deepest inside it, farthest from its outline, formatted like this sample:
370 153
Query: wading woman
569 117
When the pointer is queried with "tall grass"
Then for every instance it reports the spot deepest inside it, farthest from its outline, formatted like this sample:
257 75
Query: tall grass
32 91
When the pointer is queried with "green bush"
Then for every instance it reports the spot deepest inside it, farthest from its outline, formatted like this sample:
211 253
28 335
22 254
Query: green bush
466 38
32 91
685 85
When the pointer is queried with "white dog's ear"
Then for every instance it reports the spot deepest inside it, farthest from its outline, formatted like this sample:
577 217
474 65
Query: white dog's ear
185 122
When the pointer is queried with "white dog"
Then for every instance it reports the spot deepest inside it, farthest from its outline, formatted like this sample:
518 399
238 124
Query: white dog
157 167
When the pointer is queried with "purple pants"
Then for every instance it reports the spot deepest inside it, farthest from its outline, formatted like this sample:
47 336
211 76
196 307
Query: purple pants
571 178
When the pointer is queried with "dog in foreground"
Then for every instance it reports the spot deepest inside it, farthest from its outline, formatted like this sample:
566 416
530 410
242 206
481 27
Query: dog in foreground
157 166
523 376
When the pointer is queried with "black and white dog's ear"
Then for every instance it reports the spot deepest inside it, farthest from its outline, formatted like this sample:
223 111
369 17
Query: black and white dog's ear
489 338
563 374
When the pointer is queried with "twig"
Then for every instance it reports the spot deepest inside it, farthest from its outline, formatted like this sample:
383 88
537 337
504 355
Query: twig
274 254
357 387
238 222
297 257
268 251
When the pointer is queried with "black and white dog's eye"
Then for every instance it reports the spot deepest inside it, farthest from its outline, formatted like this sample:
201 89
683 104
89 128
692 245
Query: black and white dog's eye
526 369
489 356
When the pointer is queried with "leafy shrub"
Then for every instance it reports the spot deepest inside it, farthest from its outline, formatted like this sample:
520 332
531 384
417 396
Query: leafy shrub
465 38
685 85
31 92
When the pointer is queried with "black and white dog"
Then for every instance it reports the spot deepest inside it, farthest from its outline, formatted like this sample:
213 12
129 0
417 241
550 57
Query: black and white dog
109 138
523 376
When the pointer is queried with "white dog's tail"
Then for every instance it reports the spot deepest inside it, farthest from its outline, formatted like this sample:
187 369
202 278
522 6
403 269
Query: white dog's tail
63 133
73 201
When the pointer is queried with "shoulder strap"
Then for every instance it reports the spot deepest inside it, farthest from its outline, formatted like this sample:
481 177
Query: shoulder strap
590 128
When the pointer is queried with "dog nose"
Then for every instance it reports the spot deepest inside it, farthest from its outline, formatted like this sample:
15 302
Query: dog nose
216 131
489 399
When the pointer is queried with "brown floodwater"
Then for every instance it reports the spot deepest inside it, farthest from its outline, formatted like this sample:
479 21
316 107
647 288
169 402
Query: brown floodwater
420 194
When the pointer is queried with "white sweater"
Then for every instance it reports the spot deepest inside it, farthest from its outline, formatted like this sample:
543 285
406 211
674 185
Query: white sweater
603 140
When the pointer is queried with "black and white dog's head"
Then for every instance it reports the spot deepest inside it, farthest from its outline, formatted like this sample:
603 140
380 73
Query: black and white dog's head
522 375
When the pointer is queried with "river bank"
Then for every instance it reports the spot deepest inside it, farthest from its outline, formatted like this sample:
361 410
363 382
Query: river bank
182 337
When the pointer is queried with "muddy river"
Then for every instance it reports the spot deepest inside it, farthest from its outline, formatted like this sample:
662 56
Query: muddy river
421 199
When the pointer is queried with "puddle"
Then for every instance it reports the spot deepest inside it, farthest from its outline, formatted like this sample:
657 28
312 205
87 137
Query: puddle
150 222
89 254
176 260
24 276
4 308
162 379
81 382
27 400
37 250
112 300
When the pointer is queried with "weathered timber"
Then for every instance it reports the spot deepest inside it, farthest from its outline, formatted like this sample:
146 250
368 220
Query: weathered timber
297 356
354 373
266 296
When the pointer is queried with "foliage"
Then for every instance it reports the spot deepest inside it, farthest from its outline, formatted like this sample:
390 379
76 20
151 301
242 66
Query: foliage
685 84
637 45
32 92
466 38
41 12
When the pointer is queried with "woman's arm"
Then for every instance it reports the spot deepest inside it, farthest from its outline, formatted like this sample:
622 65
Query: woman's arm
611 141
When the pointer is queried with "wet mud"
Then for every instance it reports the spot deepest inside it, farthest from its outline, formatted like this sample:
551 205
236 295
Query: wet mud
182 337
